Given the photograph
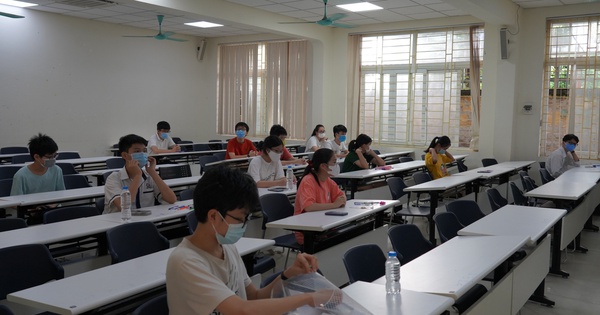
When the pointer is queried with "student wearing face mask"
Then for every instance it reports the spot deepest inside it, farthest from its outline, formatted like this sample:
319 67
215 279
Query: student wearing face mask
161 142
316 190
317 139
360 155
139 175
338 143
286 158
437 156
266 169
240 147
563 158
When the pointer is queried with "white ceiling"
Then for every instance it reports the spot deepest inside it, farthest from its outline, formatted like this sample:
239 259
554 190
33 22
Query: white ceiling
137 14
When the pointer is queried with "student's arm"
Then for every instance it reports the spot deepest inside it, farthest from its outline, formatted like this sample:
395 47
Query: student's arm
271 183
376 159
156 150
575 158
361 162
309 194
434 155
165 191
449 157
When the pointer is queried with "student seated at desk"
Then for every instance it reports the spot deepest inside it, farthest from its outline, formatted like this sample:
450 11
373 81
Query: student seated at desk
360 155
205 273
337 144
563 158
286 156
240 147
266 169
161 142
317 191
317 139
436 157
139 175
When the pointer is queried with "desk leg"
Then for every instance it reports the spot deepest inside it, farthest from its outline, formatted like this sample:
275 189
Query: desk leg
433 204
578 246
555 267
248 260
353 187
309 242
538 295
590 226
21 212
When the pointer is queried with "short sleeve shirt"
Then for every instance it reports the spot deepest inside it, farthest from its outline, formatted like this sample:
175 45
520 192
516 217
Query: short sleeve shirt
165 144
239 148
260 169
439 169
148 191
286 155
25 182
337 149
349 162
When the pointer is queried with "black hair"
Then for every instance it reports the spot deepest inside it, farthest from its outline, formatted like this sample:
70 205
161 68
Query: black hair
41 145
360 140
339 128
225 189
271 142
320 156
242 124
444 141
314 133
163 125
569 137
127 141
277 130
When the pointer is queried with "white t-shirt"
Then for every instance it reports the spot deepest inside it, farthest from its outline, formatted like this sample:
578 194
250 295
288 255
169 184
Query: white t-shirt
198 282
165 144
559 161
259 169
314 141
148 191
337 149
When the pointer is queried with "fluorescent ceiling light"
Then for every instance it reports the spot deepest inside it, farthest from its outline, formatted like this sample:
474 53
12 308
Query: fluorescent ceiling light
19 4
359 7
203 24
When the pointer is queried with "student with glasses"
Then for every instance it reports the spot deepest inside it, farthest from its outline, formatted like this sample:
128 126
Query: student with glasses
266 169
563 158
161 142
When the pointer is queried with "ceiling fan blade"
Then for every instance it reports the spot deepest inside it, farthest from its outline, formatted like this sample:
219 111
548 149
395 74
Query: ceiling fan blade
12 16
149 36
307 22
343 25
167 34
337 16
176 39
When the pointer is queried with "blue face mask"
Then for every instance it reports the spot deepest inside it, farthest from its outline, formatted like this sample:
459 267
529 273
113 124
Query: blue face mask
442 151
570 147
233 234
141 157
342 138
240 133
164 135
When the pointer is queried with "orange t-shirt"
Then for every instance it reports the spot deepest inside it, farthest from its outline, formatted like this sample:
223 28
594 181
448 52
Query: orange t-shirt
239 148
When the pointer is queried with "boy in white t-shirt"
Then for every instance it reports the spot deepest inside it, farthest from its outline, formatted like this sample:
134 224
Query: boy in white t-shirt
338 143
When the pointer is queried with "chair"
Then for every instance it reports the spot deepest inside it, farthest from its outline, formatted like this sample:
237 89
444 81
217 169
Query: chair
496 199
542 164
423 157
154 306
364 263
75 181
192 221
177 171
301 149
69 213
116 162
68 155
14 150
176 140
26 266
67 168
5 187
466 211
518 197
106 174
21 158
420 178
216 144
219 155
529 183
376 152
545 175
4 310
133 240
201 147
396 186
186 194
447 225
408 241
99 204
275 207
205 159
8 224
460 164
403 159
488 162
8 171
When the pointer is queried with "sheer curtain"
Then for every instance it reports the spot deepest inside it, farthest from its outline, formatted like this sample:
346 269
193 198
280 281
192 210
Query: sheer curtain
475 68
353 88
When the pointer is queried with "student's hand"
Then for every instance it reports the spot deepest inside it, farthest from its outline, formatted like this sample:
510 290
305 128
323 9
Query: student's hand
252 153
282 181
301 161
327 299
176 148
304 263
358 151
152 167
133 168
340 201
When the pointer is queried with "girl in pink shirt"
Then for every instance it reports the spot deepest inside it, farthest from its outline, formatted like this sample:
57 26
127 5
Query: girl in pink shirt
317 191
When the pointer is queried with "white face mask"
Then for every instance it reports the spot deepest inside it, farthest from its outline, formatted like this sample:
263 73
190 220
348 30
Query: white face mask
334 170
274 156
321 135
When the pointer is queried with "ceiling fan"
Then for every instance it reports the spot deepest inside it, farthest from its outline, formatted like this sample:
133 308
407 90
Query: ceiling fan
12 16
161 35
326 20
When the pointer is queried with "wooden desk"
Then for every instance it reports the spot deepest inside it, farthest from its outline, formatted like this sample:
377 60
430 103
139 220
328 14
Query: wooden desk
372 296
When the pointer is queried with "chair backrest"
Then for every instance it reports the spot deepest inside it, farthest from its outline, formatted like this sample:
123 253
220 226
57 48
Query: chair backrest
100 204
106 174
69 213
421 177
301 149
216 144
187 194
155 306
5 187
423 157
67 168
14 150
21 158
134 239
518 196
75 181
376 152
192 221
396 186
403 159
496 199
488 162
447 225
545 175
177 171
7 224
4 310
529 183
201 147
68 155
26 266
116 162
461 166
275 207
466 211
205 159
409 242
364 263
8 171
542 164
176 139
522 175
220 155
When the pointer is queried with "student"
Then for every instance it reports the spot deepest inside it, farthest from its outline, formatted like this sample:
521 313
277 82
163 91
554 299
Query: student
563 158
240 147
317 139
266 169
161 142
317 191
360 155
205 273
436 157
286 156
337 144
139 175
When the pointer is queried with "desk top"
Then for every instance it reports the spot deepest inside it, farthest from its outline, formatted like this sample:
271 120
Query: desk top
445 183
561 189
374 172
372 296
318 221
395 154
452 268
489 171
532 222
183 153
516 164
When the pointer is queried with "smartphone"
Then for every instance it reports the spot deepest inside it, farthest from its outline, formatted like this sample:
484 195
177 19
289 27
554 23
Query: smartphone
336 213
276 189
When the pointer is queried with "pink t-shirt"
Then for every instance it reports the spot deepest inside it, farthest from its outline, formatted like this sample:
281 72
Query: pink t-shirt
286 155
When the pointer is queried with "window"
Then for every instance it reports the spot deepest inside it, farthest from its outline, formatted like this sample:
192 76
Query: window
415 86
571 95
263 84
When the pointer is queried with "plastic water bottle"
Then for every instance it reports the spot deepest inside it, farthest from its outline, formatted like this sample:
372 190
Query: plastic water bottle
125 204
392 274
291 178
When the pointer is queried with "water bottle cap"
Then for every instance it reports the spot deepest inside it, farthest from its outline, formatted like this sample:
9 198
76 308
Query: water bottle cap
392 254
125 187
289 166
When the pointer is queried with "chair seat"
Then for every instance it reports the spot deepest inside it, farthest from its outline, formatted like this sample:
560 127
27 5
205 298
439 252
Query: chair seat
288 240
412 211
263 264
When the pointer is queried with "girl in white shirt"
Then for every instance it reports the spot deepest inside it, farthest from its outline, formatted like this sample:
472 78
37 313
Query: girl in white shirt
317 140
266 169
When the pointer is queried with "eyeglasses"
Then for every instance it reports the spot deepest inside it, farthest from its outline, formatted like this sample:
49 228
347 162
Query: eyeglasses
53 156
243 221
